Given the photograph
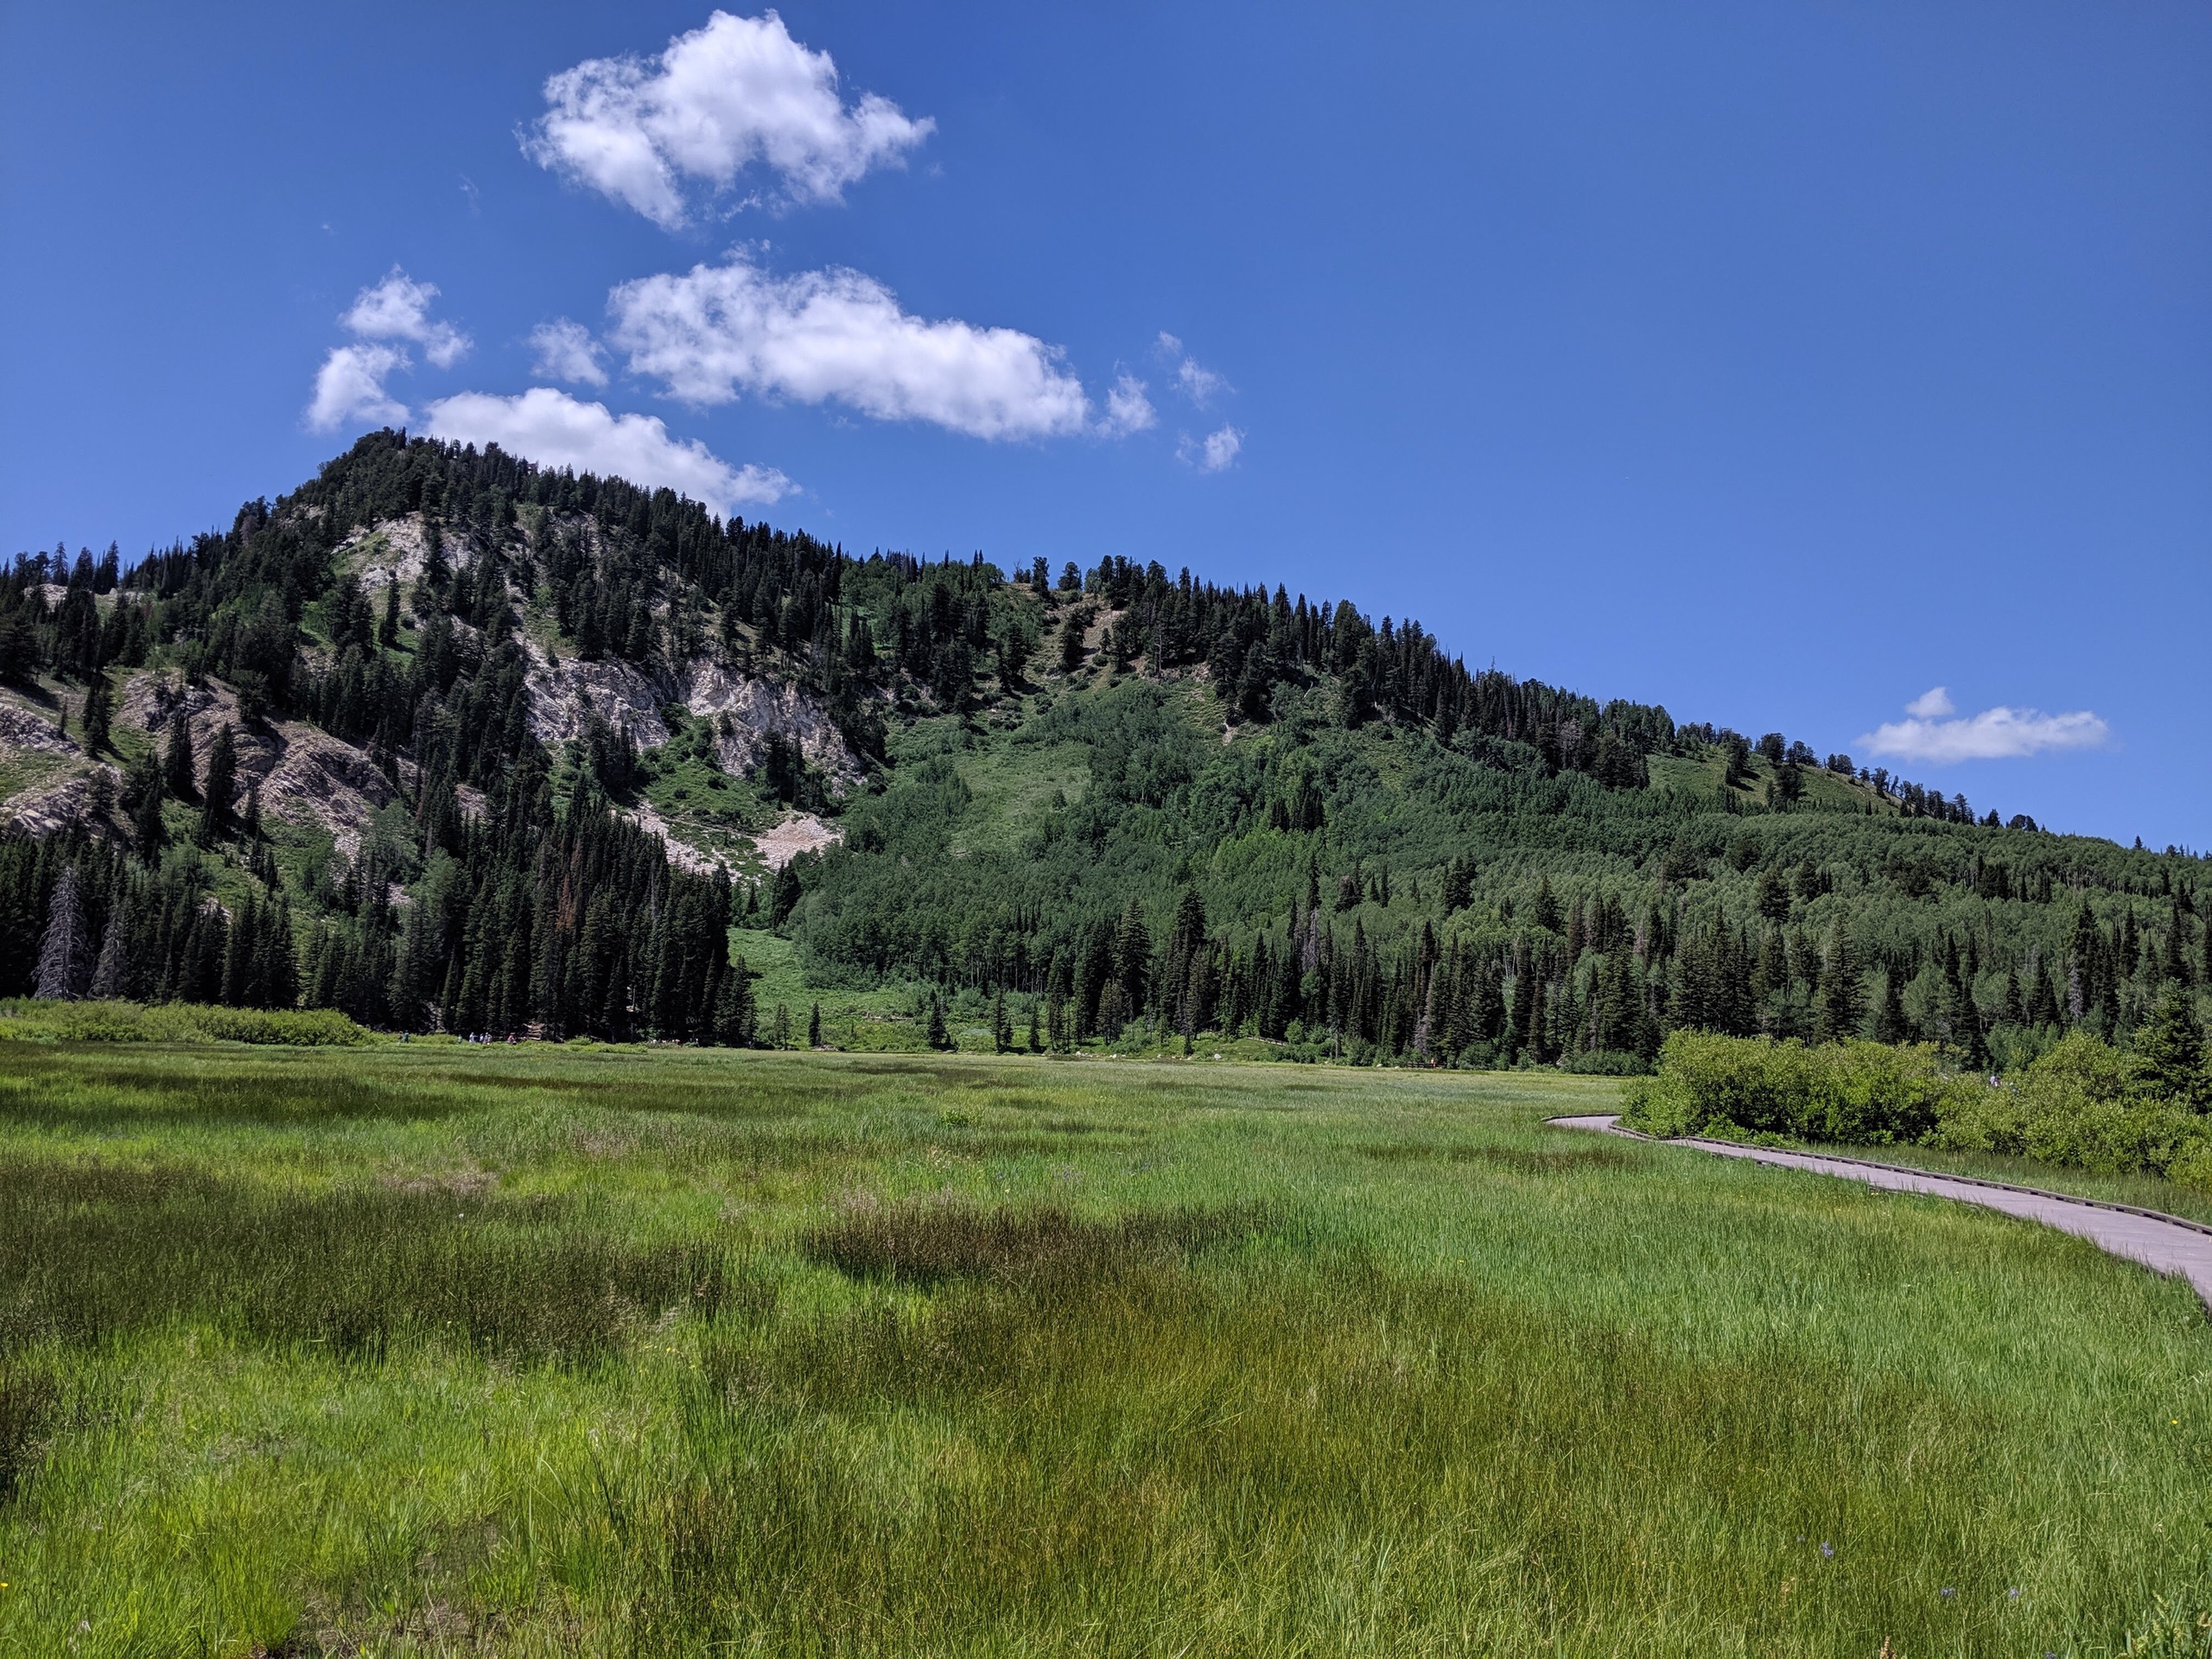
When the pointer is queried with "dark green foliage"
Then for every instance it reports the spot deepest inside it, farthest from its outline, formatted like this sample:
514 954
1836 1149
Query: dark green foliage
89 1253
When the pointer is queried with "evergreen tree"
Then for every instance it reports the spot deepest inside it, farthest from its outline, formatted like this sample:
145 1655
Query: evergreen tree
65 962
2170 1057
1841 1005
99 711
936 1036
1002 1026
222 780
1889 1023
178 776
110 973
814 1027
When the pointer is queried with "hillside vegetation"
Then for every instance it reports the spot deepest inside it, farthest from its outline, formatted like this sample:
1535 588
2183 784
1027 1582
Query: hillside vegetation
445 741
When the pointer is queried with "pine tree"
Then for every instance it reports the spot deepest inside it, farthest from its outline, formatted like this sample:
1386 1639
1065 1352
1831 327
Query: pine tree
110 973
177 773
1036 1038
222 780
814 1027
63 958
1842 1006
2169 1057
937 1037
780 1031
388 630
1889 1025
98 712
1002 1026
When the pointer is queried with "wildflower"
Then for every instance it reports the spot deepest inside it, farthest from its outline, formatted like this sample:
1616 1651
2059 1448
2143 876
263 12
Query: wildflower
1947 1591
1826 1548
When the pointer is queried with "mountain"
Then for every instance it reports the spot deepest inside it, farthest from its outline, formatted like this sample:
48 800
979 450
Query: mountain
447 741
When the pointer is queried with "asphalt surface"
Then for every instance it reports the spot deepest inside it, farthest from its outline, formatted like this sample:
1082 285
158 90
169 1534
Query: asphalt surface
2165 1244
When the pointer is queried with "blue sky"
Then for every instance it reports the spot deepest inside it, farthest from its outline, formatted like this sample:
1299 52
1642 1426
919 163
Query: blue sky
1777 363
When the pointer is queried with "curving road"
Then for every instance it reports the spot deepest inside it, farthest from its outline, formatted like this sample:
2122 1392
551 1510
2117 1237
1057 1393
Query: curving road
2163 1243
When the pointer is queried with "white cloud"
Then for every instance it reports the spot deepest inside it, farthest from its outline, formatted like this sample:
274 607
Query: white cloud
350 387
838 336
738 91
1214 453
1998 734
555 429
399 309
1200 385
566 350
1128 409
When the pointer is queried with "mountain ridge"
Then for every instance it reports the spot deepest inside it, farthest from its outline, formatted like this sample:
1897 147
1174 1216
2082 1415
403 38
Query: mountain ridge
1140 807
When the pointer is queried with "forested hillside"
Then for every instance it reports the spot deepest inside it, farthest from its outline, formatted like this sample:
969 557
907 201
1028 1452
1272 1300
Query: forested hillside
447 741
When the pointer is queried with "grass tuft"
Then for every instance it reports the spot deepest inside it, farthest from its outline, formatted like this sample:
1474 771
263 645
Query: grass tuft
928 1244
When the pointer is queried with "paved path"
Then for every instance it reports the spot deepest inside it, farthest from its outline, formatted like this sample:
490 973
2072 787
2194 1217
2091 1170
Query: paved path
2162 1242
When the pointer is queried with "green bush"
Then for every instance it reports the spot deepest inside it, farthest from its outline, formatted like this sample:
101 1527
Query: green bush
2084 1105
33 1022
1866 1093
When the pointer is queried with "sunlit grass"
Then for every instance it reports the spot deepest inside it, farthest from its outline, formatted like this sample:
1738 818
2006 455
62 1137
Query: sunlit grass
440 1349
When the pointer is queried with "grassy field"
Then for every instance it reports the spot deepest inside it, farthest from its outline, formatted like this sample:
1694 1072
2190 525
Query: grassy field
437 1350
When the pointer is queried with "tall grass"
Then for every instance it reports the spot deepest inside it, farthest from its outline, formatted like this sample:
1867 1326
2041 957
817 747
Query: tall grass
674 1353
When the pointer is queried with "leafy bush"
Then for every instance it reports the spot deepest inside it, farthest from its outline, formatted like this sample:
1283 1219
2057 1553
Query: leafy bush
2084 1105
1867 1093
27 1020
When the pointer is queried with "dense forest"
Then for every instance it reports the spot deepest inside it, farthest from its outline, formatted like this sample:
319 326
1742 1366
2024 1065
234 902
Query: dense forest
1107 806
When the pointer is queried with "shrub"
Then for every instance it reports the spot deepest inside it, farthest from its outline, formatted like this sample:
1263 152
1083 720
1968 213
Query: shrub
2083 1105
35 1021
1862 1092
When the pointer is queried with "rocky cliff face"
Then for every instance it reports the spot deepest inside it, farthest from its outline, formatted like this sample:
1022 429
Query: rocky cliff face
48 783
564 694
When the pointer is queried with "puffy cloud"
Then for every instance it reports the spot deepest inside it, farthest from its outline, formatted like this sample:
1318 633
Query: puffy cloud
566 350
1200 385
836 335
738 91
1998 734
1214 453
555 429
1128 409
350 387
399 309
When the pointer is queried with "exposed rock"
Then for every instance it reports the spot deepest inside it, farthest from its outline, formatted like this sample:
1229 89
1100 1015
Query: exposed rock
708 685
798 832
397 550
306 775
563 696
74 801
28 731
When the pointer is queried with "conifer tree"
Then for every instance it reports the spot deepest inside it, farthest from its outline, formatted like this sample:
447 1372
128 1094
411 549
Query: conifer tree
99 711
109 972
177 772
64 959
1889 1025
222 778
2169 1057
814 1027
936 1035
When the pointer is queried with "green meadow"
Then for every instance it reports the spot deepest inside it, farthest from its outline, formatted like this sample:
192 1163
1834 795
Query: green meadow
435 1349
